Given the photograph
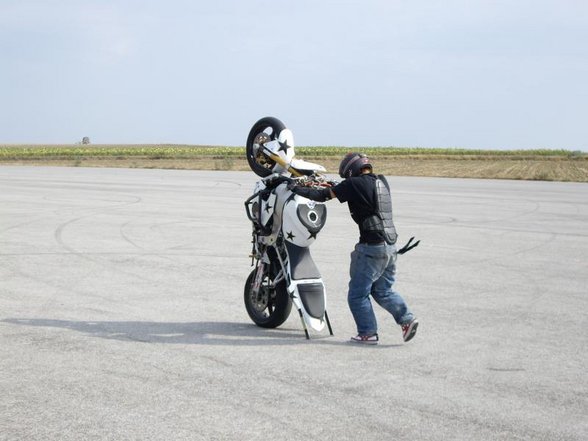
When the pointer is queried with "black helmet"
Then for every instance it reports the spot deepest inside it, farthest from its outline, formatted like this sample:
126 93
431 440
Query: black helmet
352 164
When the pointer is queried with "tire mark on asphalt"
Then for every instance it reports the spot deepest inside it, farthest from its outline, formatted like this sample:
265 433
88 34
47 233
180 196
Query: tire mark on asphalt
127 239
59 237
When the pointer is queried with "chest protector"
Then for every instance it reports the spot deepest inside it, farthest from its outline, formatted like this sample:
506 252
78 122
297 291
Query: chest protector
381 220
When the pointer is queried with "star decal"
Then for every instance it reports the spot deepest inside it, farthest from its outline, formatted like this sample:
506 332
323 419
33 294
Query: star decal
267 207
291 236
312 235
283 146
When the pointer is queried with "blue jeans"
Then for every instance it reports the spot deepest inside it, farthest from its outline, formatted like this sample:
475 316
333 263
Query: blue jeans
372 272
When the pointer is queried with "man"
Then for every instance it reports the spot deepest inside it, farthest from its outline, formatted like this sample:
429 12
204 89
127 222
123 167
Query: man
373 262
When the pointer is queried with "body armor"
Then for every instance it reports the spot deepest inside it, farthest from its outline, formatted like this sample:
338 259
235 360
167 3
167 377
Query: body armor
381 220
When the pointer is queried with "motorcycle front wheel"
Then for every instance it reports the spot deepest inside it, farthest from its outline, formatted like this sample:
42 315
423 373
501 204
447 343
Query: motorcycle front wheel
264 130
271 306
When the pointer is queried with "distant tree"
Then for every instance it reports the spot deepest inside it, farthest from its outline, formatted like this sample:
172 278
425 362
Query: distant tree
85 140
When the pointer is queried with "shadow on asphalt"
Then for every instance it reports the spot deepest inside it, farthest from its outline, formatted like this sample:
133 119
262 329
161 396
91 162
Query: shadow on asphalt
199 333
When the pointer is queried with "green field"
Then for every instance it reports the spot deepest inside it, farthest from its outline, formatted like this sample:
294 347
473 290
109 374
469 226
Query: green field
538 164
190 151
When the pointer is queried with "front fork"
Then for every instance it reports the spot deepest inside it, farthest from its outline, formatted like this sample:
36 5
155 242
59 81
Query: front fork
258 279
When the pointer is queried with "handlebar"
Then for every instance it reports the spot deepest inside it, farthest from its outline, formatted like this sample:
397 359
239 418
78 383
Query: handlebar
276 179
271 183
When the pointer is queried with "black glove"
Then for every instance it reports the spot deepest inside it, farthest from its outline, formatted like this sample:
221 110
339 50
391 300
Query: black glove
408 246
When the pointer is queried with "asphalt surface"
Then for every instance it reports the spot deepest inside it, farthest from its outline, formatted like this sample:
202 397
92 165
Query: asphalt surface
121 315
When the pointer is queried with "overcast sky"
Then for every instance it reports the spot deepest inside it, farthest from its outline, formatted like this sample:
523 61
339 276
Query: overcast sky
476 74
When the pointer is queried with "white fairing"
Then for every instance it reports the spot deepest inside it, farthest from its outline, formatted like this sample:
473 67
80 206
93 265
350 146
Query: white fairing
287 137
284 148
259 185
302 165
273 208
266 214
267 209
294 230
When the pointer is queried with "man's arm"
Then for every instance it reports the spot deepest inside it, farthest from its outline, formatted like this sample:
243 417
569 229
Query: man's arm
315 194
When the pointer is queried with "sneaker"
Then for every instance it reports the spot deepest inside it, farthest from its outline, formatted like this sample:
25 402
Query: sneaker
409 329
365 339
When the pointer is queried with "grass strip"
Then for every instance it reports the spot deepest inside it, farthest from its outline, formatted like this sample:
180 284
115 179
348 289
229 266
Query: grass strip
13 152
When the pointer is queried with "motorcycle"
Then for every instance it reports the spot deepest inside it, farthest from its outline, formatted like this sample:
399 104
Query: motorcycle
284 225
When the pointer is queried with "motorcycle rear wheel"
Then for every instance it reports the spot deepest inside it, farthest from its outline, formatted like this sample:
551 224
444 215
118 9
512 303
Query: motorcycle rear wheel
271 306
264 130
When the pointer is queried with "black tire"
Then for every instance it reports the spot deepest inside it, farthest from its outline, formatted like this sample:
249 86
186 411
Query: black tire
260 163
271 307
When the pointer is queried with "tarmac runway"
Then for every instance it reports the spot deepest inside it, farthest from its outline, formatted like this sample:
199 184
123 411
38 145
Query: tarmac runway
122 317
